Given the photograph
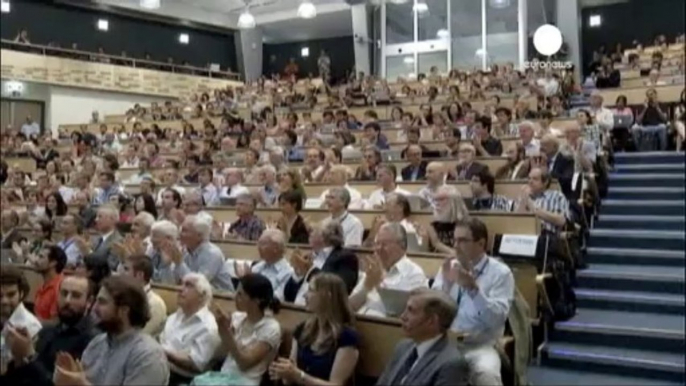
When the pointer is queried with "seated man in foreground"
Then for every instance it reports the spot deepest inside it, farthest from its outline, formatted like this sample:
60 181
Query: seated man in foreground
483 288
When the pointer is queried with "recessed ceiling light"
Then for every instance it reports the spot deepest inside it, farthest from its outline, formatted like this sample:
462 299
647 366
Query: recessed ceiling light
307 10
103 25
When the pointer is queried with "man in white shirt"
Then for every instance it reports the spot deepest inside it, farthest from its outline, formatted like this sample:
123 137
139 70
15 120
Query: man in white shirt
389 267
337 201
233 184
272 264
435 178
603 116
30 127
190 336
483 288
339 177
13 314
385 176
209 192
314 165
532 146
549 84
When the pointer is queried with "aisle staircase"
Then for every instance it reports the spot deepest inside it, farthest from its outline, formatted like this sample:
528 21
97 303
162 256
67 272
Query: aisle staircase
629 326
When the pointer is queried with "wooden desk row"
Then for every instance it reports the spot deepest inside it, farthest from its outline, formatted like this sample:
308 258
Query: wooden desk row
507 188
493 163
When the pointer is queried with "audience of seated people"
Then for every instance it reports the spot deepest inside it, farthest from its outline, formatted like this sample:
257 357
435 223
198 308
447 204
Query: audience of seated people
173 236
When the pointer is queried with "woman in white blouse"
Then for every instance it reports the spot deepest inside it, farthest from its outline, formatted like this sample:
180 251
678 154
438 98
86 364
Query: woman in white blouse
250 337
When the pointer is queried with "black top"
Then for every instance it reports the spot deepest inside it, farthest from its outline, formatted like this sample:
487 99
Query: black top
493 146
651 117
320 364
445 231
299 232
50 341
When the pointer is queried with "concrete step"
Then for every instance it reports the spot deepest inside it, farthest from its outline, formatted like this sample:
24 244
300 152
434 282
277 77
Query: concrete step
636 222
623 329
656 279
554 376
643 207
670 168
633 301
645 193
647 179
657 157
614 360
637 238
635 256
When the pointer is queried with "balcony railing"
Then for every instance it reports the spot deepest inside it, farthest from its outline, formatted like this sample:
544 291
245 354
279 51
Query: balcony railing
118 60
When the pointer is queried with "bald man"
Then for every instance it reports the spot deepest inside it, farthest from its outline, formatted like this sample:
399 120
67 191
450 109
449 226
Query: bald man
584 152
435 179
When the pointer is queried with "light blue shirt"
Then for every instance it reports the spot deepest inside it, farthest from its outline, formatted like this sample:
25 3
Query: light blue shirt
277 273
482 314
207 259
71 250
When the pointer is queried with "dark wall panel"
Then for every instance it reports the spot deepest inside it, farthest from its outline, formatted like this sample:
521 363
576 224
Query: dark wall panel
636 19
340 50
48 22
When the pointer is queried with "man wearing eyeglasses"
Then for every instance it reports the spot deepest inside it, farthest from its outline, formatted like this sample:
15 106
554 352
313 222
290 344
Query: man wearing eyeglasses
483 288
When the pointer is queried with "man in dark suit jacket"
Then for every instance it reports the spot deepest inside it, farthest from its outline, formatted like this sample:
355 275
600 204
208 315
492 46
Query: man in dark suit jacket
101 245
467 166
560 166
427 358
328 255
416 170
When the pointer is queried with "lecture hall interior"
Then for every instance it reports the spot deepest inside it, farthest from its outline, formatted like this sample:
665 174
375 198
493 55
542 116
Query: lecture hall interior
342 192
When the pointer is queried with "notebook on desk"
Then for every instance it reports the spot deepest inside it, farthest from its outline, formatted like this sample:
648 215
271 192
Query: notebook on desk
393 300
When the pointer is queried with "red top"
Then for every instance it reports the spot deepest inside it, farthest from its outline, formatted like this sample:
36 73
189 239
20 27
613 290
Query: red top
45 305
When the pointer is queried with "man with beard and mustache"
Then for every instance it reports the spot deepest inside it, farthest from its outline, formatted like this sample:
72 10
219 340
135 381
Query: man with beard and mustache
34 365
123 354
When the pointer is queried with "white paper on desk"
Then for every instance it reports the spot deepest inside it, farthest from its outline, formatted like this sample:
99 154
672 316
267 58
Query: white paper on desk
518 245
313 203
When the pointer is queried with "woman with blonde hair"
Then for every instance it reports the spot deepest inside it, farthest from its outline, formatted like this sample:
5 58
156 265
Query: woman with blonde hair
325 346
449 209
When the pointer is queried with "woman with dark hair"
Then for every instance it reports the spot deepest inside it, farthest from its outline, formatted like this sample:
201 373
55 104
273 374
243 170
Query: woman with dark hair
325 346
291 222
55 206
145 203
250 337
289 181
454 112
94 268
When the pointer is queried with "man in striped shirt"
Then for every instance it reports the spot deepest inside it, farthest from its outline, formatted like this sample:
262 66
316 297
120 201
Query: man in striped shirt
550 206
482 186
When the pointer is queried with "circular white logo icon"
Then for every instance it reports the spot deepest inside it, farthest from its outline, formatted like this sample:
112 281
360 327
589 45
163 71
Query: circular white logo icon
547 40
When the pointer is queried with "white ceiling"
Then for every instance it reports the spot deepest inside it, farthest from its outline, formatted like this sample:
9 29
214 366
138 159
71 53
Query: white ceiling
277 18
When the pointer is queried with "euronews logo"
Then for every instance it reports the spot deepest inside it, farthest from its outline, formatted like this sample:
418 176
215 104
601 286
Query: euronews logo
547 41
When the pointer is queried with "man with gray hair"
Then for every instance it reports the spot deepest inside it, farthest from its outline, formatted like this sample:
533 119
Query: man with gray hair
248 226
277 159
532 146
198 255
390 268
427 357
190 336
272 264
269 191
194 204
327 255
162 232
101 246
337 201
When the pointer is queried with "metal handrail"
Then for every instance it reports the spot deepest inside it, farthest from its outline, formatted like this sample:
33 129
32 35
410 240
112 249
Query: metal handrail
118 60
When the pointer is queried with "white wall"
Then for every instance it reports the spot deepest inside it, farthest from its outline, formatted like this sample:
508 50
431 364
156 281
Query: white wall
249 44
72 105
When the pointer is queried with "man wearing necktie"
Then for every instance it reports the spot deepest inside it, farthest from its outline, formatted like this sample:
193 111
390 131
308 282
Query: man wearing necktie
427 357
